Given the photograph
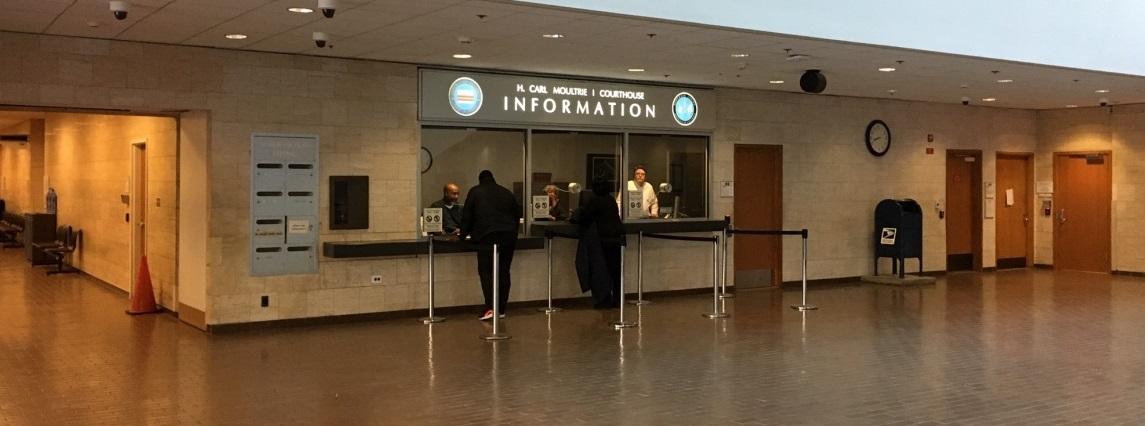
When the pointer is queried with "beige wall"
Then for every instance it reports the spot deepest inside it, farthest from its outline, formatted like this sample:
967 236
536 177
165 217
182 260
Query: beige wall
365 114
88 162
22 168
831 183
1120 129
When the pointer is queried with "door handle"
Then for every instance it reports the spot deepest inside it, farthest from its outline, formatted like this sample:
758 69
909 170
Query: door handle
1061 216
1025 220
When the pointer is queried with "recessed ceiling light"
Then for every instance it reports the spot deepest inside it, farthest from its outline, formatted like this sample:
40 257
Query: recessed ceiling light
887 69
93 24
740 55
892 91
776 82
236 36
1005 80
988 99
301 10
462 56
1102 91
1071 106
554 35
636 70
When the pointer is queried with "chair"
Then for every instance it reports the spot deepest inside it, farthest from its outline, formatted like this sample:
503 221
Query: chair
10 228
61 252
62 235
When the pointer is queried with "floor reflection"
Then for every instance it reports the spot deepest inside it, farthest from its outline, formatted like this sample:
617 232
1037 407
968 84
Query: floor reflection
1013 346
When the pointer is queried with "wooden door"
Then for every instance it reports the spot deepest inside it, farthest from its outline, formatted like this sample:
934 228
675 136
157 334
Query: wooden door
1014 237
1083 194
963 210
758 205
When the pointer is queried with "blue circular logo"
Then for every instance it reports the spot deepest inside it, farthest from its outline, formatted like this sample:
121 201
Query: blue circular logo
685 109
465 96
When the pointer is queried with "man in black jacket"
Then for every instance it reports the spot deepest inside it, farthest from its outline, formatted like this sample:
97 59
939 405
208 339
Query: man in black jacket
491 216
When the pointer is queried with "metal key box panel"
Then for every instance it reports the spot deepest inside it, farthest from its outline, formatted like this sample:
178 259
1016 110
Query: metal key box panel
284 204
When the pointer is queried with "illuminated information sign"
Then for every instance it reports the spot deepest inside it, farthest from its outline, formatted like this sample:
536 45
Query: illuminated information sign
457 96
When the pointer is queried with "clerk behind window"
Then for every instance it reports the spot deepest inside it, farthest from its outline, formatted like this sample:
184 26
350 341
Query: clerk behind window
649 205
556 210
451 209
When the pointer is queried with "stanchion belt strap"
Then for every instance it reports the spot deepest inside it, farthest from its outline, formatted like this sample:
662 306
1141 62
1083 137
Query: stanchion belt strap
679 237
802 232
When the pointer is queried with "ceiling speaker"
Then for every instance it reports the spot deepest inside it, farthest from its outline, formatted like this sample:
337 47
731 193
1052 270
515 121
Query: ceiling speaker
813 81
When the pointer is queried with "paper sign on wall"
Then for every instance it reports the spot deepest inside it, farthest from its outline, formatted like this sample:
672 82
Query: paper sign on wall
636 204
727 189
431 220
540 206
1045 187
990 207
296 226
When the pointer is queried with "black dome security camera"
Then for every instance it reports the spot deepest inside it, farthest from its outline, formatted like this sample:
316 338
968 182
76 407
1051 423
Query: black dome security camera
965 100
813 81
119 9
320 39
328 7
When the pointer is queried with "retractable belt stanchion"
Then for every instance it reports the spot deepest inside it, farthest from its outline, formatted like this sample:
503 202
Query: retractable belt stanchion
621 324
724 266
716 313
496 334
640 270
715 240
549 254
431 318
804 306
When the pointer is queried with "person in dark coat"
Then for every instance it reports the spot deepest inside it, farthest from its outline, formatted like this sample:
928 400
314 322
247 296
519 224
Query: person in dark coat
598 250
491 216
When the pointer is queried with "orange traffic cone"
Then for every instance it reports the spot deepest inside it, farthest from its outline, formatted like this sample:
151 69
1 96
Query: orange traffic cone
143 296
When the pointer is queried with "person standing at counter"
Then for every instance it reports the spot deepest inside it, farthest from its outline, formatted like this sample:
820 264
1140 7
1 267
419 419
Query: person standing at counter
598 248
491 216
556 211
649 204
450 208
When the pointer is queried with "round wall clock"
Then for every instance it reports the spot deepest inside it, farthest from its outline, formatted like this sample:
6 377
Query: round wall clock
878 138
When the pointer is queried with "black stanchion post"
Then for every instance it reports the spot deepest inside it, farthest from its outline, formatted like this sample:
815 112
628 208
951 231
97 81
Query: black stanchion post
804 306
549 253
621 323
716 313
431 318
496 334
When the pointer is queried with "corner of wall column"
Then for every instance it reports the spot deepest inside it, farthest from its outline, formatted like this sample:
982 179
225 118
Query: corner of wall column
193 215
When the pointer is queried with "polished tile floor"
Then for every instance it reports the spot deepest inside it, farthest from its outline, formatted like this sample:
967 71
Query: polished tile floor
1013 347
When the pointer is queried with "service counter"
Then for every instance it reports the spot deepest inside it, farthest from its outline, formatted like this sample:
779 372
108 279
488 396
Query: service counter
647 226
412 247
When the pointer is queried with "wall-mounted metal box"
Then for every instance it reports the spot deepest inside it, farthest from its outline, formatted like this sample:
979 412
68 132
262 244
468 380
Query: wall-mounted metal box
284 204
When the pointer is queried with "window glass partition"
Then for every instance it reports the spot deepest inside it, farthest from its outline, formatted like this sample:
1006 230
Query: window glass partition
675 169
673 181
458 155
560 158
